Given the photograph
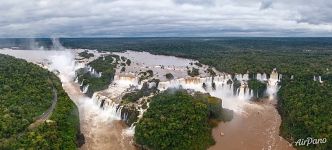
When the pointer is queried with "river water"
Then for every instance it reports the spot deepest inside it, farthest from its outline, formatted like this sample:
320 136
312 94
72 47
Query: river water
101 131
255 129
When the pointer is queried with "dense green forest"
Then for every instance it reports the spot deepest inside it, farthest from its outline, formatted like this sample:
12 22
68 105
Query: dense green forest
26 92
178 120
102 64
137 94
305 108
86 54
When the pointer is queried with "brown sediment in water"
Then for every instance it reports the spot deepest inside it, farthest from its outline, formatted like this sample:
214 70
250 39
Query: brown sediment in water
257 128
99 134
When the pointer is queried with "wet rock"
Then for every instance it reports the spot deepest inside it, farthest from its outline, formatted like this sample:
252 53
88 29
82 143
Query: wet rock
80 139
222 134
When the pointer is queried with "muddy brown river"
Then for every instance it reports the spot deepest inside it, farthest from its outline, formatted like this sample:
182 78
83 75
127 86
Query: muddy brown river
100 131
255 129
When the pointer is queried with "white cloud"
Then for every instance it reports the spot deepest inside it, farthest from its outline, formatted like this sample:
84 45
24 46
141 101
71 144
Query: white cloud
77 18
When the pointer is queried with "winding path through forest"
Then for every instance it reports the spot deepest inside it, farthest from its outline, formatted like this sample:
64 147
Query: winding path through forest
47 114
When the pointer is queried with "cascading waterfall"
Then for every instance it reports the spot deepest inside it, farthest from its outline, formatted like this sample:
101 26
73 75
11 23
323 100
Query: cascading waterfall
280 77
196 83
131 130
319 79
242 77
108 105
93 71
82 82
261 77
224 87
272 84
126 80
76 80
85 89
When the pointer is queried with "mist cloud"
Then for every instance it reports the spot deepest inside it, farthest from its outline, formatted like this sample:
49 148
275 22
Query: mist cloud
121 18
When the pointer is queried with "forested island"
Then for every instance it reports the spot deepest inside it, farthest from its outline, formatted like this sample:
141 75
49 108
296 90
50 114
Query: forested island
26 94
179 120
103 65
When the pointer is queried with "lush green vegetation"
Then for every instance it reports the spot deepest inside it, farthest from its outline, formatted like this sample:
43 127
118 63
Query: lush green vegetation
145 75
24 97
85 54
198 64
137 94
193 72
211 72
128 62
169 76
98 83
123 69
177 120
305 108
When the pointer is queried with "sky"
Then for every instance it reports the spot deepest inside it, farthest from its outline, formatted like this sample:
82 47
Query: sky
165 18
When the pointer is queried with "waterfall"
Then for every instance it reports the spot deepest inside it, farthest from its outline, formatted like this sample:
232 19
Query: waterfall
93 72
261 77
320 79
264 77
131 130
76 80
85 89
272 86
242 77
82 82
108 105
280 77
126 79
245 77
221 91
89 68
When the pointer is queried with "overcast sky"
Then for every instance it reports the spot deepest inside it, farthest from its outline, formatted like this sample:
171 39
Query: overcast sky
137 18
